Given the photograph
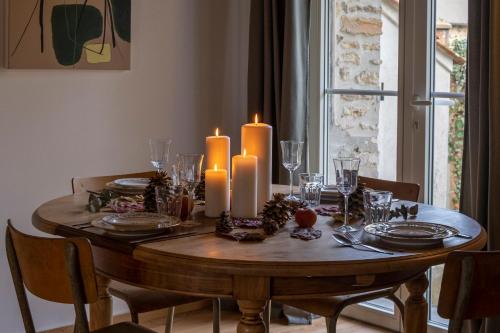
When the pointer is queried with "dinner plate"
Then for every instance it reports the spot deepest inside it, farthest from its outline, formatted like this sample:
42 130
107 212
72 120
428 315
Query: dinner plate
412 233
132 182
136 223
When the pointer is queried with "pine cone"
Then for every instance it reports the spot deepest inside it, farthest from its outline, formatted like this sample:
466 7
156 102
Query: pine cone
296 205
224 224
270 226
159 179
277 209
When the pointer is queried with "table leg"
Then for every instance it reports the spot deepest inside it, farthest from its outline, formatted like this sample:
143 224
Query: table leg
101 312
416 305
251 316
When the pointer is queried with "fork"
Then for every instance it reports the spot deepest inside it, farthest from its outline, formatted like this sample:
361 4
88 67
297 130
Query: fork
356 241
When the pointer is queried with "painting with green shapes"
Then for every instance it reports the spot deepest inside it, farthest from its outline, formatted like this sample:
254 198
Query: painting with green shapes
77 34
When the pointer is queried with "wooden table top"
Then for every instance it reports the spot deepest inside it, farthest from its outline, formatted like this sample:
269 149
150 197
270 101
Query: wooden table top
278 255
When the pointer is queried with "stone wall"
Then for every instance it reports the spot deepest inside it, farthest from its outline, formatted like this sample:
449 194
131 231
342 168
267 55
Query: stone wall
354 119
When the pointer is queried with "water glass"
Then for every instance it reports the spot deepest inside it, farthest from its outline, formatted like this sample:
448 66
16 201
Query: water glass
159 150
311 185
377 206
167 203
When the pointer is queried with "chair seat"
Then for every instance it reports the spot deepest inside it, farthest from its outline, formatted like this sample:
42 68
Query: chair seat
124 328
329 306
144 300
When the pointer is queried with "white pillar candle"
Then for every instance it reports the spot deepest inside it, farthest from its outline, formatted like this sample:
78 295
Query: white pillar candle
244 194
218 151
216 192
257 139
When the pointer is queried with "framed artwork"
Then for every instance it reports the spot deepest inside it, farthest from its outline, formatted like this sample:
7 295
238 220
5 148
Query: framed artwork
75 34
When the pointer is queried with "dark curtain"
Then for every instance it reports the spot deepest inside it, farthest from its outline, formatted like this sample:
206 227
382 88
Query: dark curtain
481 163
278 71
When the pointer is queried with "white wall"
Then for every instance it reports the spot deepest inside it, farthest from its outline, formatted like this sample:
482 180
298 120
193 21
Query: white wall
188 76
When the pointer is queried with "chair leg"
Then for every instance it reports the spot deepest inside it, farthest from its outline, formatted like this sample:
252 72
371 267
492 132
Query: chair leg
399 305
216 315
134 316
331 324
170 319
267 316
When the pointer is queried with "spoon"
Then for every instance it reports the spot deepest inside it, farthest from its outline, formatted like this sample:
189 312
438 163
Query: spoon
343 240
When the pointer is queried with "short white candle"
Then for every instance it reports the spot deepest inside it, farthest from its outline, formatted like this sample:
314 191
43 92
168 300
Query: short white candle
244 194
218 151
257 139
216 192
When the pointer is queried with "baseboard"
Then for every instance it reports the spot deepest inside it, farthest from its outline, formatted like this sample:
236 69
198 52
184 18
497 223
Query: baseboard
148 316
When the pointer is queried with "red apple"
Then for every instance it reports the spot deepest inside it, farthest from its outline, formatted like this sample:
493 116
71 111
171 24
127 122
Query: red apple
305 217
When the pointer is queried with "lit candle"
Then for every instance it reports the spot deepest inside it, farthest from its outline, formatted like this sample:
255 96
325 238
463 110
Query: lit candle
257 138
244 200
219 152
216 192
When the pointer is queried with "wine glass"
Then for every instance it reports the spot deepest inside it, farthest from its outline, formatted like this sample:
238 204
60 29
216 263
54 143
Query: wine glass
346 173
291 152
189 169
159 150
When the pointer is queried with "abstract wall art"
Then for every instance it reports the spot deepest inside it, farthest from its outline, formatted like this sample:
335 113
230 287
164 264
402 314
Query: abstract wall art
75 34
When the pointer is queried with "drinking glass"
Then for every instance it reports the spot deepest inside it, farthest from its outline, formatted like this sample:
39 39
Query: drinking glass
291 152
377 206
346 173
189 168
167 202
159 150
311 185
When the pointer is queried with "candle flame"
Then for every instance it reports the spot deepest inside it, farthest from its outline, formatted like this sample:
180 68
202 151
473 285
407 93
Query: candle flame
256 118
217 131
244 153
215 167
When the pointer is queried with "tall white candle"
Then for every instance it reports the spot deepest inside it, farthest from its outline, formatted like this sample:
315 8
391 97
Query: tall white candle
216 192
244 200
257 138
218 151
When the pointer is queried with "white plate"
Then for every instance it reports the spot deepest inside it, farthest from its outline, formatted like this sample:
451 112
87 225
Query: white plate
412 233
132 182
136 222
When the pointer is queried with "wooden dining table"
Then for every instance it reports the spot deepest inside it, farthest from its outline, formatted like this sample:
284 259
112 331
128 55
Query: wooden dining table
278 268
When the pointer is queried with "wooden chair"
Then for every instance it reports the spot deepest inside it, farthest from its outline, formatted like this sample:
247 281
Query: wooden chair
140 300
331 307
469 289
59 270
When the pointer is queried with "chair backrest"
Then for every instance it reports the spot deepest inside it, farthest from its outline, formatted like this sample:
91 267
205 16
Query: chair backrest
470 288
400 190
83 184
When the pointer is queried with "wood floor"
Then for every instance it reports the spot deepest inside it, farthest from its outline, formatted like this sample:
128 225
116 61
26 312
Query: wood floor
201 321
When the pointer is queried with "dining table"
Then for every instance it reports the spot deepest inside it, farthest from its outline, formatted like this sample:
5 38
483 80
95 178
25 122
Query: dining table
254 272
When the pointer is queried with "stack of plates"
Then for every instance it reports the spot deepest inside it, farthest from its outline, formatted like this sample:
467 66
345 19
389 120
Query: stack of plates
135 224
329 194
411 233
128 185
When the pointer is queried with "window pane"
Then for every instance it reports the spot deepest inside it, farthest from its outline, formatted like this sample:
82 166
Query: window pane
366 127
363 51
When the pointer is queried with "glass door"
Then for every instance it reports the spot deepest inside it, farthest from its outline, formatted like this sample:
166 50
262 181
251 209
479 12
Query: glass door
391 91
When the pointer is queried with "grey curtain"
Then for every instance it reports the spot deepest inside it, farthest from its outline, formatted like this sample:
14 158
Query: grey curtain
481 163
278 71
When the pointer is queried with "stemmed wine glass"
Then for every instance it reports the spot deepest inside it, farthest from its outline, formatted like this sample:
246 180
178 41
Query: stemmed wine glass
159 153
346 173
291 152
189 169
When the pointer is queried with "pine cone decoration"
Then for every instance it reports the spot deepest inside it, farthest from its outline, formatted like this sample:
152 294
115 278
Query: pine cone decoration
200 189
296 205
277 209
224 224
270 226
159 179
